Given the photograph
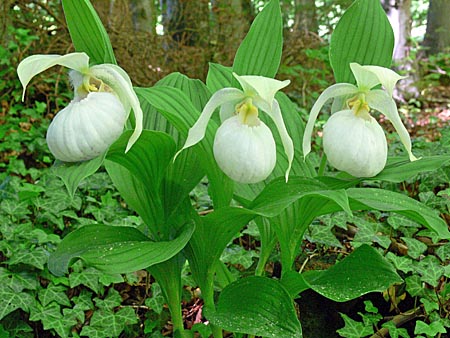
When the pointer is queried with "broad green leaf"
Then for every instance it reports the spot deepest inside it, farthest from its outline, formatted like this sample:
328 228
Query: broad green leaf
384 200
257 306
363 35
402 170
294 283
214 231
177 108
114 249
73 173
183 174
260 51
218 77
194 89
363 271
138 174
87 31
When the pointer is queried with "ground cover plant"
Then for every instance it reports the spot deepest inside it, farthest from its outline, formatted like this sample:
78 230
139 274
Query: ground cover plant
185 224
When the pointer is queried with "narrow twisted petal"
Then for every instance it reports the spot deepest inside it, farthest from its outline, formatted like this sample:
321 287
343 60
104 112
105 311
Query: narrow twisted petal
388 78
198 130
381 101
120 82
227 110
336 90
275 115
35 64
261 86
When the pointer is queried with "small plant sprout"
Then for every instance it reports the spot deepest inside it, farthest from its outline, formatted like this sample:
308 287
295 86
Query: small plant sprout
352 139
95 118
244 147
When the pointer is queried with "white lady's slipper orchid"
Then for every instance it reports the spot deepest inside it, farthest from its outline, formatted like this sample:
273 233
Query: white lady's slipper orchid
95 118
353 140
244 147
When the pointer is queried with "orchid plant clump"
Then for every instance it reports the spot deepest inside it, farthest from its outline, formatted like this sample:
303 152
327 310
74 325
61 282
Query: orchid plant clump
240 160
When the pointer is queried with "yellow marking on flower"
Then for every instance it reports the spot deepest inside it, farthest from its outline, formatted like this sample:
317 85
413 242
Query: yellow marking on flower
359 106
248 113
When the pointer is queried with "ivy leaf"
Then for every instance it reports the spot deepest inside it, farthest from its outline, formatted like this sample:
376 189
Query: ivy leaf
353 328
36 257
11 300
54 293
430 330
87 277
415 247
106 323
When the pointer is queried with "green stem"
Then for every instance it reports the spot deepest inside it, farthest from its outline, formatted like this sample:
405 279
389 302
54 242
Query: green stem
323 163
208 298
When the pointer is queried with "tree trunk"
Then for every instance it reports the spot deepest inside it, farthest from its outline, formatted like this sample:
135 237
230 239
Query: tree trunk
187 21
437 37
143 14
305 16
399 14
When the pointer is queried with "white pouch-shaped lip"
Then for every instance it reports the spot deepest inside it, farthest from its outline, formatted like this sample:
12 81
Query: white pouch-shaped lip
86 128
245 154
355 145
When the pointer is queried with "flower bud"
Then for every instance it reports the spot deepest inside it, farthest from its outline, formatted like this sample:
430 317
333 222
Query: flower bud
87 127
355 144
247 154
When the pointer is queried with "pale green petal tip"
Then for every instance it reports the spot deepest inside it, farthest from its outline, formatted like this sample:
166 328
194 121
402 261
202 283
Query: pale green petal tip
387 77
35 64
365 79
264 87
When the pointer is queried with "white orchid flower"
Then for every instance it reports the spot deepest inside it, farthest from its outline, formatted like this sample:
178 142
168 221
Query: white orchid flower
244 147
96 116
353 140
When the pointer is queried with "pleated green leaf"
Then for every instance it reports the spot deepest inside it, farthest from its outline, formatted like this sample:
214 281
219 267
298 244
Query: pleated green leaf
363 35
363 271
260 51
138 174
218 77
177 108
385 200
87 31
73 173
258 306
114 249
